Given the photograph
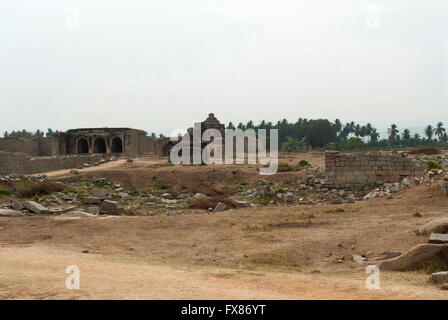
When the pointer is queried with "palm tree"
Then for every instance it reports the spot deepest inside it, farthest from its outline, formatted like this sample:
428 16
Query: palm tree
231 126
429 131
416 139
406 136
374 135
338 125
392 132
440 130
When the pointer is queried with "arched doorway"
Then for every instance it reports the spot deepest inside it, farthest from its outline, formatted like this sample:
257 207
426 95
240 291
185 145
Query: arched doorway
82 146
99 146
116 145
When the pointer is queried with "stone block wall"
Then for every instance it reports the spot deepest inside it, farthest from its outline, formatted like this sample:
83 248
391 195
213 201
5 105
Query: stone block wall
28 146
361 169
21 163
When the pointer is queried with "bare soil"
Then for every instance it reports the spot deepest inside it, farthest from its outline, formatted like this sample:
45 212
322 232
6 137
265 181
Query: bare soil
265 252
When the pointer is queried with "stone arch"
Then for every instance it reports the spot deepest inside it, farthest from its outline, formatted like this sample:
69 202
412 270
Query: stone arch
82 145
116 145
99 145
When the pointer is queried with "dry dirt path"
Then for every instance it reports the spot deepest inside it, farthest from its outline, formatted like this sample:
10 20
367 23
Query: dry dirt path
38 272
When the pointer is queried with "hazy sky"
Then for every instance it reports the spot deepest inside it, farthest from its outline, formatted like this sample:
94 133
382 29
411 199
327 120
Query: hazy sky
161 65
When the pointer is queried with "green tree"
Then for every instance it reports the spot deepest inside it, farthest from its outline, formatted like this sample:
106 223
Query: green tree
429 132
393 133
318 133
406 136
440 130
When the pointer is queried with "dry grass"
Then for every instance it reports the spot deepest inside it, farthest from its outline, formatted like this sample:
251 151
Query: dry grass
40 188
211 203
425 150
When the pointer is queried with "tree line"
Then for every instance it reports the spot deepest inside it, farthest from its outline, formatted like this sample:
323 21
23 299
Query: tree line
305 133
317 133
28 135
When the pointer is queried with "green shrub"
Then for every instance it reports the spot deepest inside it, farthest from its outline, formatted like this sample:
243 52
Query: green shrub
244 183
162 186
4 191
304 163
283 165
280 190
354 143
433 165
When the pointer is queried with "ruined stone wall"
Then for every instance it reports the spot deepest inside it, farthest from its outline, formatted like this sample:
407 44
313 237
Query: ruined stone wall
146 145
29 146
21 163
360 169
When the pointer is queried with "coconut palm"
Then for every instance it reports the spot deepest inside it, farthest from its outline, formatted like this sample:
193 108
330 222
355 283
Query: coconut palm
393 133
406 136
429 132
440 130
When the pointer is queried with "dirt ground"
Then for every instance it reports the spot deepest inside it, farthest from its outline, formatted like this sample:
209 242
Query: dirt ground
263 252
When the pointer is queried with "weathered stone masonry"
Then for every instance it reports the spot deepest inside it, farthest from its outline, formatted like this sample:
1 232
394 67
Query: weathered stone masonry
360 169
22 163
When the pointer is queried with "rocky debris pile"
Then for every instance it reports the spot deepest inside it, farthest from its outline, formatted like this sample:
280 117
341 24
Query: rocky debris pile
421 159
387 189
20 177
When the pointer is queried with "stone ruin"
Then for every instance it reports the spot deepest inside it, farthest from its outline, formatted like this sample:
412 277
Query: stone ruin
362 169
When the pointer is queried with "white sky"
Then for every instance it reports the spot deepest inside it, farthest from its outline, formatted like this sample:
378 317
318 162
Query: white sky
161 65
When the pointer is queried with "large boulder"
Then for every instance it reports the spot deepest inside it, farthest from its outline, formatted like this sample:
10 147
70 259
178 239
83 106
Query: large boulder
435 226
419 257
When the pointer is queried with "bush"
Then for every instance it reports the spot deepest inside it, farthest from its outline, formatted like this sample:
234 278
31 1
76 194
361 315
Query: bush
280 190
162 186
433 165
244 183
291 145
4 191
211 203
304 163
354 143
40 188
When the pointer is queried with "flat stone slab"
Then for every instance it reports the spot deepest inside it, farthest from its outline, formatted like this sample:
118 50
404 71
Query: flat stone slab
10 213
438 238
35 207
440 277
92 200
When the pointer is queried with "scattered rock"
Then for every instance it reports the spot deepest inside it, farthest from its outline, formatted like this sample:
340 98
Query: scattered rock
289 197
74 171
10 213
200 196
241 204
85 251
220 207
35 207
92 200
109 206
17 205
438 238
171 213
440 277
444 286
93 210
